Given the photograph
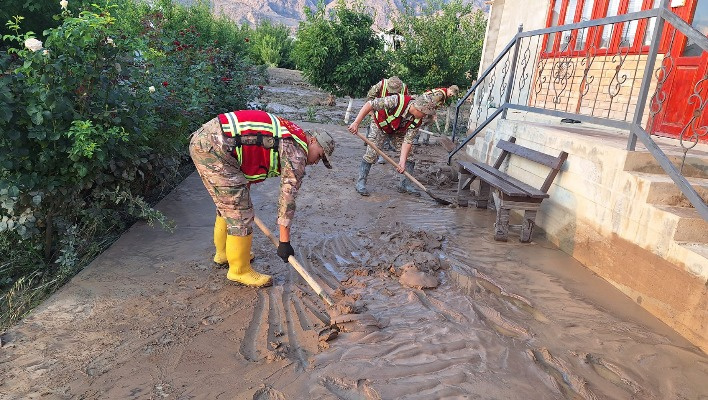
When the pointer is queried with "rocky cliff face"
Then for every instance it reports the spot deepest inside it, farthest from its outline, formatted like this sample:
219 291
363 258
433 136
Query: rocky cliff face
291 12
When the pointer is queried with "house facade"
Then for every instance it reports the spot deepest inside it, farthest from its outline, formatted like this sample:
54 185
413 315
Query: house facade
612 207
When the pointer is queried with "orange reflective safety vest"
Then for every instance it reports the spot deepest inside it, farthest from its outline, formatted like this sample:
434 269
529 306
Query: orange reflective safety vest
257 135
393 123
384 91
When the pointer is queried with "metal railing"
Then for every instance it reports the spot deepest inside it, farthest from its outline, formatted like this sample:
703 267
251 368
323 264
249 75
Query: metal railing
602 72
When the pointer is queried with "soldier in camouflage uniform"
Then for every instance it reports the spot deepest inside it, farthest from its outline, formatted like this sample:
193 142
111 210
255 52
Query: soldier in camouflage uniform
440 96
385 87
397 117
235 150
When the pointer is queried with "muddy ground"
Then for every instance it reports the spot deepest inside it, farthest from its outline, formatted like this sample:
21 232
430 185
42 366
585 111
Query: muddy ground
433 307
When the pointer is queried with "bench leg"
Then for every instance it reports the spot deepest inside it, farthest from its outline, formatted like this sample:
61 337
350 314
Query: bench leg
463 188
501 225
483 196
527 225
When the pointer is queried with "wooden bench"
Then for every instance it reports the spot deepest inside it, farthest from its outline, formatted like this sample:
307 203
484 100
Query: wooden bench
509 193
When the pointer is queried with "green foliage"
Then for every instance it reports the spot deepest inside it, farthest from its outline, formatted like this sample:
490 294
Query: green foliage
37 15
271 44
96 121
440 45
340 53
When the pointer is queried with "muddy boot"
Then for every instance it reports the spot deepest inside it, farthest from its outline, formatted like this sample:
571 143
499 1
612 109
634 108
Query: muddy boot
406 186
364 169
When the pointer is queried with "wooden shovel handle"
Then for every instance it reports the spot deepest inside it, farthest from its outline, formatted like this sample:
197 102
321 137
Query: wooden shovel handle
392 162
298 267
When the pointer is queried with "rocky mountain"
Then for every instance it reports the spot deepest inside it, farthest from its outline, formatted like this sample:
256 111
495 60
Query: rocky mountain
291 12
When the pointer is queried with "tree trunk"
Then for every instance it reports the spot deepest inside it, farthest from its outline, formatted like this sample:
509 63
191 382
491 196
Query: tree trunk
349 110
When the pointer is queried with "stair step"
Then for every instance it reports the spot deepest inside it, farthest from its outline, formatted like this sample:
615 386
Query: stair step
690 226
695 257
662 189
695 165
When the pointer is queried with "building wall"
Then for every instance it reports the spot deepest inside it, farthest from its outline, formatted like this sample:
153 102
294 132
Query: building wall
504 19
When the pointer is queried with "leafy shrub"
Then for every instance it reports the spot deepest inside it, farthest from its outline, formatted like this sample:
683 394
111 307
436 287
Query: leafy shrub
96 119
340 54
441 43
271 44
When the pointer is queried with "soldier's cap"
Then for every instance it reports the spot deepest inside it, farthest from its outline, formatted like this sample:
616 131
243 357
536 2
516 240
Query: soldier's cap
453 90
395 84
327 142
425 104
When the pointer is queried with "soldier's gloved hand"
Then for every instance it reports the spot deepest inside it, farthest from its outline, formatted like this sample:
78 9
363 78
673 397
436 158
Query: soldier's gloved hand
285 250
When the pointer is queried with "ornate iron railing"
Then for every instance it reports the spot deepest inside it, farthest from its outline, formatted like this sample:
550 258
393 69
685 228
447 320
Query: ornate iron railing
602 72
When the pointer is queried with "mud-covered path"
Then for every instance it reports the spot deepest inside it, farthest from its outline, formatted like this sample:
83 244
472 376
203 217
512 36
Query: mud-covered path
153 318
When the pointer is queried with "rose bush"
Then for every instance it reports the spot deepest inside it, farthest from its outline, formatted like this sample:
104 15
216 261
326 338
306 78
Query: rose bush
97 122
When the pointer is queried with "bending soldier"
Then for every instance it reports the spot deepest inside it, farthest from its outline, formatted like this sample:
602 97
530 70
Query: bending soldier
385 87
397 117
440 96
237 149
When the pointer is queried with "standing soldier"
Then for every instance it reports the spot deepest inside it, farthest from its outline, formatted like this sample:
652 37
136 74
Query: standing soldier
237 149
440 96
397 117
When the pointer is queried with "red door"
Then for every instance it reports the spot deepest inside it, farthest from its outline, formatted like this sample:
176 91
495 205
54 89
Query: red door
685 113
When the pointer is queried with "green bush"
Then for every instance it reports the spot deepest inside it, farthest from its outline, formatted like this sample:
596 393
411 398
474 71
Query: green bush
271 44
441 43
340 53
97 119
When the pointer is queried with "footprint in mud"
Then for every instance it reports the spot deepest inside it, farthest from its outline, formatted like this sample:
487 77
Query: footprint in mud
611 372
348 389
572 386
268 393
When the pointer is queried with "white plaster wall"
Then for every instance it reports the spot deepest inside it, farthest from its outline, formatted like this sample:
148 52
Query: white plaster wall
531 13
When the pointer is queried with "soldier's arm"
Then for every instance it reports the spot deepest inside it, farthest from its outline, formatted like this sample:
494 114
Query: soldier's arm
292 169
374 91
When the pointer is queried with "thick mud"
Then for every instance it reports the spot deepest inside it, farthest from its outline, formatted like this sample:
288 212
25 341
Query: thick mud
428 306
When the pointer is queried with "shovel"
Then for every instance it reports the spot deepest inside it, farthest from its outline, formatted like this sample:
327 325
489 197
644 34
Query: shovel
409 176
298 267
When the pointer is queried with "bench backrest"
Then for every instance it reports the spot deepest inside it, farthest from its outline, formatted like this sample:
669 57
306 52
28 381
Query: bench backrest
554 163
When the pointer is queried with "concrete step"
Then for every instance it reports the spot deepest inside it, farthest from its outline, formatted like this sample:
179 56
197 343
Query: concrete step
662 190
689 225
694 256
695 165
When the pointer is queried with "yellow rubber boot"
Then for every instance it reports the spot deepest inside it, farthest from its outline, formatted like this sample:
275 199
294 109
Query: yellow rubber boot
220 240
220 232
238 249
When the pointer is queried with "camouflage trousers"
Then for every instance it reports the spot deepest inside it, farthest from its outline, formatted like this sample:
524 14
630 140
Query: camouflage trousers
377 136
222 177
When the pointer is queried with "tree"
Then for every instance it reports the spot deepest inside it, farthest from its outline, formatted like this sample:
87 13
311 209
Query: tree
440 45
271 44
340 54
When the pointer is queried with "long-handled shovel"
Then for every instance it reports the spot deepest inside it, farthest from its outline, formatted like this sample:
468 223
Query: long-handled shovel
409 176
298 267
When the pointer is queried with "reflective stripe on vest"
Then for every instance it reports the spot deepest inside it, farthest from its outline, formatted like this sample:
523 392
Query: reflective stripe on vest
392 123
232 126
